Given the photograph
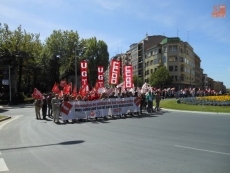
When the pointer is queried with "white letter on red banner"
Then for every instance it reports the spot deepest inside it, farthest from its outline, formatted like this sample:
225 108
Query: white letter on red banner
114 72
128 76
100 71
84 77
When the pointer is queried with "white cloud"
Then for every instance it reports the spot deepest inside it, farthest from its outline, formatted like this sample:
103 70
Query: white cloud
34 23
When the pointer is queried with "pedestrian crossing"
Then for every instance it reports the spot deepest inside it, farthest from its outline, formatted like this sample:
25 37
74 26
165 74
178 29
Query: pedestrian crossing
3 166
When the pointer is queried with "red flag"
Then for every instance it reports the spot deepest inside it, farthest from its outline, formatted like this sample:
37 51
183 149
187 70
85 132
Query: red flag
55 89
67 89
82 91
63 83
37 94
60 94
74 93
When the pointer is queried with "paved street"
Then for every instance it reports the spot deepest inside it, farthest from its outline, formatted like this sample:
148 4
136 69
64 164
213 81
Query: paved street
160 142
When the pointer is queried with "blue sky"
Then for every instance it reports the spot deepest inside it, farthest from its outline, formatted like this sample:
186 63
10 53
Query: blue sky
122 22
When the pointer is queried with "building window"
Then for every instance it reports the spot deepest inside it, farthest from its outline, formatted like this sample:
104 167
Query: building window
155 61
181 59
165 49
173 48
182 78
172 58
175 78
164 59
160 50
151 71
151 62
147 72
173 68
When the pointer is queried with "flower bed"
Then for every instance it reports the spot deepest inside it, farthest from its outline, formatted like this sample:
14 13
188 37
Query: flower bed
223 100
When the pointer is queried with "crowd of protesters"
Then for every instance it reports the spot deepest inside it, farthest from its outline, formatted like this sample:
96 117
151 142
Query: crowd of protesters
150 97
187 92
51 103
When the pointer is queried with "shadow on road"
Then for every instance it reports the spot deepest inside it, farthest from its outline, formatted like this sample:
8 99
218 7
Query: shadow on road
3 110
37 146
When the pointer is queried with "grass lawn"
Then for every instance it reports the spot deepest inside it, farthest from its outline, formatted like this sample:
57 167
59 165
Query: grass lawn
172 104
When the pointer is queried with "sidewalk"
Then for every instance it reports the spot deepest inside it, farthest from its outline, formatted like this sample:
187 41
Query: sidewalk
16 106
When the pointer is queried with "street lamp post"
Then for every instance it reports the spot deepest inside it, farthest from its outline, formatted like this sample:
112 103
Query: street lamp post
9 83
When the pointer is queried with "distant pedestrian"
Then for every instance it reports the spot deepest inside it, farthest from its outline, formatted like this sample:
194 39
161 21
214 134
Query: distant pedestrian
37 104
49 98
149 99
158 98
56 102
44 106
142 105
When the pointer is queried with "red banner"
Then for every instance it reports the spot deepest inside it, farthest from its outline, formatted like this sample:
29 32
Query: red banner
66 107
100 78
84 76
114 72
128 76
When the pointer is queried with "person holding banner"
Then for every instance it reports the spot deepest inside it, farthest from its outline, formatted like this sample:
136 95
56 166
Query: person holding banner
37 104
56 102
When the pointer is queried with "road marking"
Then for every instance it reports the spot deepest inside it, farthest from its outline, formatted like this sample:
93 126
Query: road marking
8 121
3 166
202 150
85 125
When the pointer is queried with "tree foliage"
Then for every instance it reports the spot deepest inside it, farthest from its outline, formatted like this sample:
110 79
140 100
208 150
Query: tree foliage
160 77
37 64
137 81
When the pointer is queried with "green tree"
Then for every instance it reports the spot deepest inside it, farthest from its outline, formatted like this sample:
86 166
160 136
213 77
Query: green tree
97 55
20 51
58 56
137 81
160 77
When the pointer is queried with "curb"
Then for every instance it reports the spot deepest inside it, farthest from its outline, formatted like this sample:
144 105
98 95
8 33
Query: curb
174 110
7 117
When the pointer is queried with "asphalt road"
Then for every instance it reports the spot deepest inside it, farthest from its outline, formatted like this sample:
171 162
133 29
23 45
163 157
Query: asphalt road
175 142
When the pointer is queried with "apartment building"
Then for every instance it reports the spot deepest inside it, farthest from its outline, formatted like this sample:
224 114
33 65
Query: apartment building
178 57
183 64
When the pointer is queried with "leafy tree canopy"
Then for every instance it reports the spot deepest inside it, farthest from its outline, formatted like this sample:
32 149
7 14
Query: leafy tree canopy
160 77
